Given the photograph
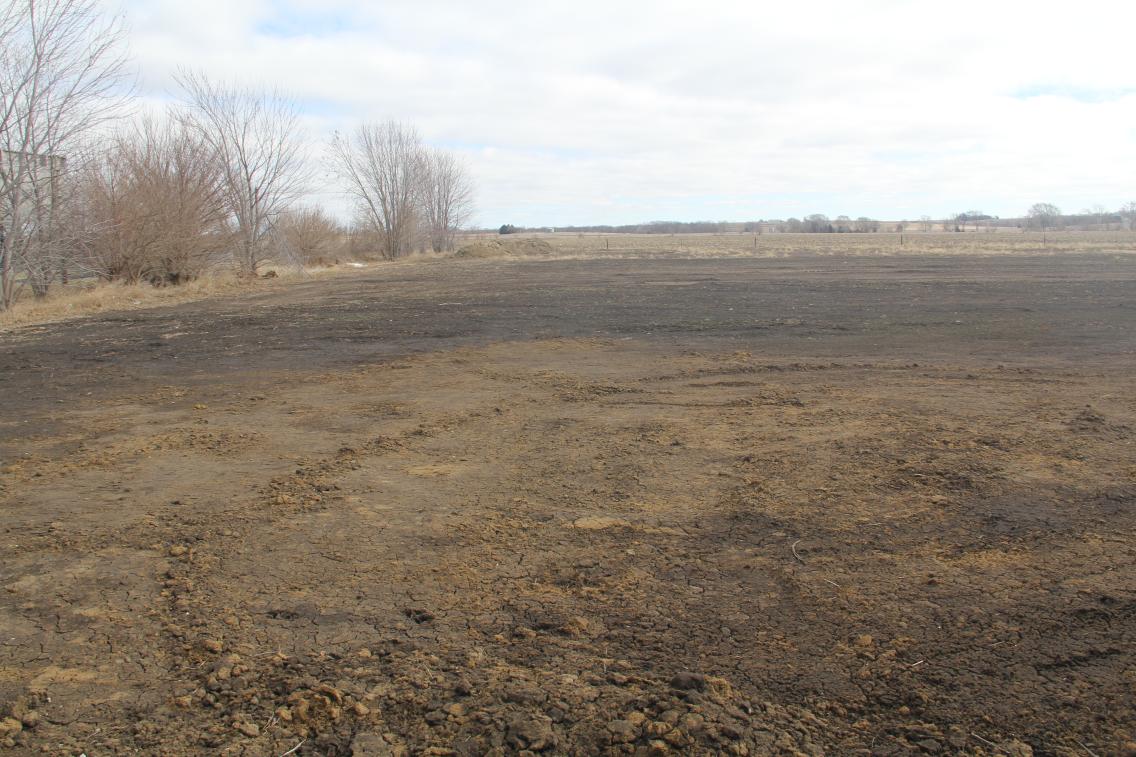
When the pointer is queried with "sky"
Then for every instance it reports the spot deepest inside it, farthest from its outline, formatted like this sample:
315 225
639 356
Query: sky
625 112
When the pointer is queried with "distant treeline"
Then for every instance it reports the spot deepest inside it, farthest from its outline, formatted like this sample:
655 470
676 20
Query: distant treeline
814 223
654 227
1039 216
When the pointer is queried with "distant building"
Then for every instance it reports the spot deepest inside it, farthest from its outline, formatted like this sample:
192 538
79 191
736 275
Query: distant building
39 175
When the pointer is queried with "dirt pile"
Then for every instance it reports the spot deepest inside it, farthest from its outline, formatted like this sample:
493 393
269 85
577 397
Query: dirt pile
502 248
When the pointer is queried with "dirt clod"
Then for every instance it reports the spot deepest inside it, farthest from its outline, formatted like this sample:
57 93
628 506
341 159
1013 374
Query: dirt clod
532 732
686 681
215 646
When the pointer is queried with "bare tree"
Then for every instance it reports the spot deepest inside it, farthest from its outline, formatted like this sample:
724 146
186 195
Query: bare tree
1044 215
816 223
381 165
257 140
445 196
1100 211
155 205
1127 214
62 74
925 223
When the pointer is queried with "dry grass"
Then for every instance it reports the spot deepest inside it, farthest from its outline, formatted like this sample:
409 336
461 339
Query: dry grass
570 245
90 297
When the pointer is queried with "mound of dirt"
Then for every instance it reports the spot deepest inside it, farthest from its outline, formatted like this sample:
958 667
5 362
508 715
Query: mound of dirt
501 248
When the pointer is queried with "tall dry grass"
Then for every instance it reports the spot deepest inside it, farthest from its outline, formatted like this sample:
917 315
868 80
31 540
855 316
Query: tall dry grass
90 298
584 246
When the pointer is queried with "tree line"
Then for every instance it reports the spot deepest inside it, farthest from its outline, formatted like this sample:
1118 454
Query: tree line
1040 216
219 178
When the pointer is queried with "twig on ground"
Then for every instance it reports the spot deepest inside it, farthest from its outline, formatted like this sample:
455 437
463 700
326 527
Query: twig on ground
1090 751
293 749
984 741
794 550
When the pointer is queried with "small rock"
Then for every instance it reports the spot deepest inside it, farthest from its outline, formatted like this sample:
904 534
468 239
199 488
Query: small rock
30 719
177 550
361 710
252 730
930 746
9 727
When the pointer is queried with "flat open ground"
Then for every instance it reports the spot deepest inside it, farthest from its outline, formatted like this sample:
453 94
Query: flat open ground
809 504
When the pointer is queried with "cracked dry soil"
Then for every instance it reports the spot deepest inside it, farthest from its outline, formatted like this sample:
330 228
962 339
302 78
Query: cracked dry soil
579 512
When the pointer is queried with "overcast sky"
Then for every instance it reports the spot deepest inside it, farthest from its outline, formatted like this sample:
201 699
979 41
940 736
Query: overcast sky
621 112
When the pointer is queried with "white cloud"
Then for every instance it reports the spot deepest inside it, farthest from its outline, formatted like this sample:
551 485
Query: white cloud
619 112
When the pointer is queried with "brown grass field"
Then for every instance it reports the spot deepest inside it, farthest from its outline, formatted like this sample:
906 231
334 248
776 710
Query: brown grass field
838 498
787 245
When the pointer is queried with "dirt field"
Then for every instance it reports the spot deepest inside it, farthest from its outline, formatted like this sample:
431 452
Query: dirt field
802 505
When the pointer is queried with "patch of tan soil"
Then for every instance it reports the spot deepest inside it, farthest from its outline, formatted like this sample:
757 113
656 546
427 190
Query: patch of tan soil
579 547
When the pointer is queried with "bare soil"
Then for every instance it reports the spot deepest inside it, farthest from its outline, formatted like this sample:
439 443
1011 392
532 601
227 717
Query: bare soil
813 505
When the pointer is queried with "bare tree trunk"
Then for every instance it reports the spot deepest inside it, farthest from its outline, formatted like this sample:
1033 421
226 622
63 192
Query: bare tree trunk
7 279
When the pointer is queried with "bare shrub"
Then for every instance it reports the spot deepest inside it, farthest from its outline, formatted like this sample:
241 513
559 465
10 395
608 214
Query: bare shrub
155 203
364 241
311 236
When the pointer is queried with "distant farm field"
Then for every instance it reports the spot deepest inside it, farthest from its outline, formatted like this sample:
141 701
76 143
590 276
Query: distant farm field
784 245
